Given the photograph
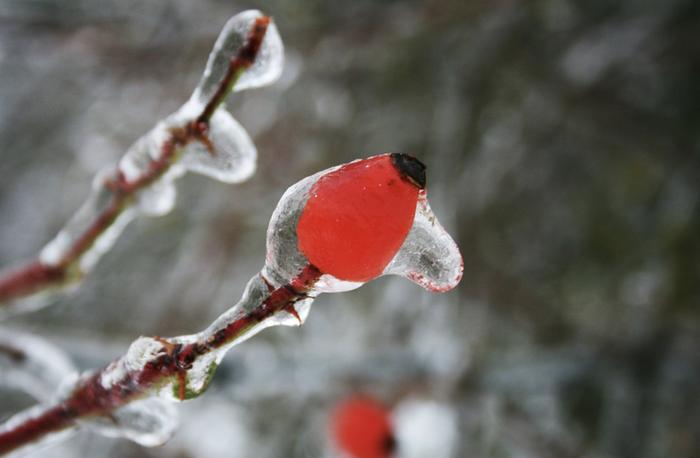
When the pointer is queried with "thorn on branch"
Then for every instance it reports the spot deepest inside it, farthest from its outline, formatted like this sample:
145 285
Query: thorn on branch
293 311
201 133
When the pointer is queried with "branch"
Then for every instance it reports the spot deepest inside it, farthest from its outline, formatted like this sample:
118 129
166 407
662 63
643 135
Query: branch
39 276
375 206
180 366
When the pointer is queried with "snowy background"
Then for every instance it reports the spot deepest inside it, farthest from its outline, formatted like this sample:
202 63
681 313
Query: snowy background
562 140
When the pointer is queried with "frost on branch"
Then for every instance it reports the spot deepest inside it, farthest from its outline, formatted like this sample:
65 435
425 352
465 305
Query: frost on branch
201 137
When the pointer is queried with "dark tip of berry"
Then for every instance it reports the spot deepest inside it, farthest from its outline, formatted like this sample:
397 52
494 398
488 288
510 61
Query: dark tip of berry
389 443
410 168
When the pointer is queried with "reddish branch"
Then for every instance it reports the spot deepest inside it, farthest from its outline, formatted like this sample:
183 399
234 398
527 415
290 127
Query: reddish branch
90 398
37 276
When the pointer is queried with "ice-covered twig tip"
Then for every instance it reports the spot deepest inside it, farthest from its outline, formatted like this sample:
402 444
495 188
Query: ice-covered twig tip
200 137
330 232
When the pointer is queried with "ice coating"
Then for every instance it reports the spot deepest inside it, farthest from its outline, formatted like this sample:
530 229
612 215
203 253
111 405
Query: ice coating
201 137
141 351
32 448
181 368
99 202
227 154
422 252
137 159
283 259
36 367
157 199
232 156
148 422
32 365
195 379
428 257
266 69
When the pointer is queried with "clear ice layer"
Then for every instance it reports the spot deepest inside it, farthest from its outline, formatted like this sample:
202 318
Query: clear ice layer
428 257
148 422
266 69
283 260
36 367
228 154
147 349
233 154
32 365
97 203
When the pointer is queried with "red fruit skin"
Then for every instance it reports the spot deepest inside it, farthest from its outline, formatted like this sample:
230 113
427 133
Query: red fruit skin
362 428
356 219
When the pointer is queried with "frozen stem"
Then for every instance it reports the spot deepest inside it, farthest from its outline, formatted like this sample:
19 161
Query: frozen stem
376 207
41 276
178 368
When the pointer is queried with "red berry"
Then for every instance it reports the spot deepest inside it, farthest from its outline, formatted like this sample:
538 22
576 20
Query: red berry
358 216
361 427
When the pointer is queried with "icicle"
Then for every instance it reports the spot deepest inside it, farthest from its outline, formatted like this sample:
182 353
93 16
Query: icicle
266 69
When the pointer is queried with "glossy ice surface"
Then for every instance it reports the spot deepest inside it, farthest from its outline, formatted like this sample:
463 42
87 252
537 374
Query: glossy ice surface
356 219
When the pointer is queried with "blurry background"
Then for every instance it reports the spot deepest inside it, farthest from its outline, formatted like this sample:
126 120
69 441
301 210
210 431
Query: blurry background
562 140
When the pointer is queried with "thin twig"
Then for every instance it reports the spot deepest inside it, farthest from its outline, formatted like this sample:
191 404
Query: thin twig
90 398
36 276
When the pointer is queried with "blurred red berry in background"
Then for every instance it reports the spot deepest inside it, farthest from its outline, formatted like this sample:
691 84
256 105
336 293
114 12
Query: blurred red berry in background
361 427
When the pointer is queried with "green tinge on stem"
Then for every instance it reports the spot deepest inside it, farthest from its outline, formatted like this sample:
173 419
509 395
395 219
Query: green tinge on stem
190 393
